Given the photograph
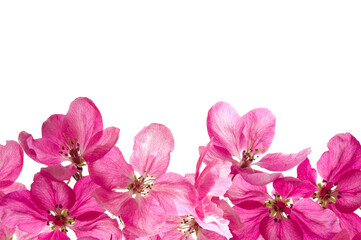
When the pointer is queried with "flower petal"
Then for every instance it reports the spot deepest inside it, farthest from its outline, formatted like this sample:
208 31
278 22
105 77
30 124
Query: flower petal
151 150
350 188
225 127
175 194
12 188
349 221
283 162
273 230
11 163
53 235
343 235
58 172
256 177
293 187
204 234
344 154
306 173
51 128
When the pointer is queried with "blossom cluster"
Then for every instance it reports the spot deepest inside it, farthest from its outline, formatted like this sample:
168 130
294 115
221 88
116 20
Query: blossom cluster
86 186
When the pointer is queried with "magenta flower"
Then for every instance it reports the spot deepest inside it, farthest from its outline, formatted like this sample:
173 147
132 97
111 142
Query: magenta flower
276 217
143 193
77 137
240 140
50 208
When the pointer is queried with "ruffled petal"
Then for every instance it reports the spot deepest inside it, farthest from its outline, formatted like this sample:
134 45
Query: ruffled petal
82 121
51 128
151 150
349 221
53 235
344 154
47 193
256 177
11 163
273 230
101 143
111 171
58 172
350 189
306 173
316 223
229 213
259 128
225 127
283 162
175 194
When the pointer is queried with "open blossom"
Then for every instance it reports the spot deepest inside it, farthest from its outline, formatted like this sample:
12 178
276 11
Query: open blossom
51 208
77 137
240 140
142 193
276 217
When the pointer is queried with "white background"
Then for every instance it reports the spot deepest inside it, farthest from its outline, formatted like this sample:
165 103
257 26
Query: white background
169 62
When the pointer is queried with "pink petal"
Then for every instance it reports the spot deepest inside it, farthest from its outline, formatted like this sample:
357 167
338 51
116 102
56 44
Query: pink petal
293 187
82 121
204 234
19 210
175 194
214 179
350 189
349 221
215 153
316 223
47 193
6 232
344 154
12 188
85 202
111 171
225 127
210 217
58 172
288 229
202 152
283 162
306 173
11 163
259 128
343 235
101 143
40 150
51 128
151 150
256 177
229 213
53 235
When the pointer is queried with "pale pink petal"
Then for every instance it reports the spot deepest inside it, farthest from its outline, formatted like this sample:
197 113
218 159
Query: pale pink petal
111 171
229 213
204 234
259 129
293 187
51 128
283 162
115 202
343 235
47 193
256 177
316 223
151 150
85 202
11 163
175 194
215 153
41 150
20 235
273 230
349 221
53 235
225 127
12 188
147 219
306 173
101 143
6 232
344 154
19 210
202 152
59 172
210 217
214 179
350 189
82 121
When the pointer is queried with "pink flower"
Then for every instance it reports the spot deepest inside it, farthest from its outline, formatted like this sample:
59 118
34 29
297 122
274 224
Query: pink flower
276 217
77 137
50 208
143 193
240 140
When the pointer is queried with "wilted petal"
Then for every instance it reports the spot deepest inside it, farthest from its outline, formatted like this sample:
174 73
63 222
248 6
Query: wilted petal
58 172
111 171
350 188
151 150
259 128
272 230
283 162
306 173
53 235
344 154
225 127
175 194
101 143
256 177
82 121
47 193
11 163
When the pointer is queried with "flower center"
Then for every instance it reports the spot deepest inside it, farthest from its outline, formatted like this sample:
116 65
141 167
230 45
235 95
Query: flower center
141 185
188 226
59 217
278 208
249 155
328 193
71 151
